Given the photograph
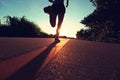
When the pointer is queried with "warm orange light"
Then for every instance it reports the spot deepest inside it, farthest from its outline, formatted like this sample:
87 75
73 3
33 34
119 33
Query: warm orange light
64 31
69 28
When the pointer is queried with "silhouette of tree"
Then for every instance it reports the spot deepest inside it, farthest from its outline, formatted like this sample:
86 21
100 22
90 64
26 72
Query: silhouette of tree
104 22
43 35
20 27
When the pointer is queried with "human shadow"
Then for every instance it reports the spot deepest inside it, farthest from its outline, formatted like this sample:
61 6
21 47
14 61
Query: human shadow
28 71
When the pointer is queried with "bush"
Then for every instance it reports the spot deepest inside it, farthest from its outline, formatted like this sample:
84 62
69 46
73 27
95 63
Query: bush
20 27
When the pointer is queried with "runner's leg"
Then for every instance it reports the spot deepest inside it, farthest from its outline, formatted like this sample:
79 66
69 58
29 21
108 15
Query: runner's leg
53 19
60 20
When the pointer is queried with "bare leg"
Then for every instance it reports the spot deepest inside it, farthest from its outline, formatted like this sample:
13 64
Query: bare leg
60 20
53 19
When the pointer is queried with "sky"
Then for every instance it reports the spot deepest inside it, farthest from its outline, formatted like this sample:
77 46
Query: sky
33 11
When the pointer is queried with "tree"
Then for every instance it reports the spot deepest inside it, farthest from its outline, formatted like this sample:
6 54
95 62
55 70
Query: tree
104 22
20 27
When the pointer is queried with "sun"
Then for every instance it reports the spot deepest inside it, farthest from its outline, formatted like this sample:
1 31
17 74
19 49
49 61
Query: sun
64 31
69 28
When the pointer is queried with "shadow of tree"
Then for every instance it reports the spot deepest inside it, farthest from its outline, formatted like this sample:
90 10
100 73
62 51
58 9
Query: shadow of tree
28 71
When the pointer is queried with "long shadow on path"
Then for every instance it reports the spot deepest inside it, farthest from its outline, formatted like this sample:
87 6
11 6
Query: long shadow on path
28 71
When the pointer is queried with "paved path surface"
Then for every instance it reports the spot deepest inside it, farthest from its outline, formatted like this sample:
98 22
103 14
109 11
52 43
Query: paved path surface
26 66
77 60
10 47
84 60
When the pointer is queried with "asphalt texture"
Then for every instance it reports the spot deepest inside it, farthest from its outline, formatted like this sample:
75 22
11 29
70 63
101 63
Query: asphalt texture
84 60
12 47
27 65
76 60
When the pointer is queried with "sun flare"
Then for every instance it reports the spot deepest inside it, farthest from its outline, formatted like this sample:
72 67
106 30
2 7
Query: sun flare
68 28
63 31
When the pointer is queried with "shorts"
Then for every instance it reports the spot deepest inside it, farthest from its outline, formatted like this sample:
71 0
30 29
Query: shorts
58 9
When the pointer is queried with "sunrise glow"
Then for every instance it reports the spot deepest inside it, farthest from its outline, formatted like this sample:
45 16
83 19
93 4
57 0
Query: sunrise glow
33 10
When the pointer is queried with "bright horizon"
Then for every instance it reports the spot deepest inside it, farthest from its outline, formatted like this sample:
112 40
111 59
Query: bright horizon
33 10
